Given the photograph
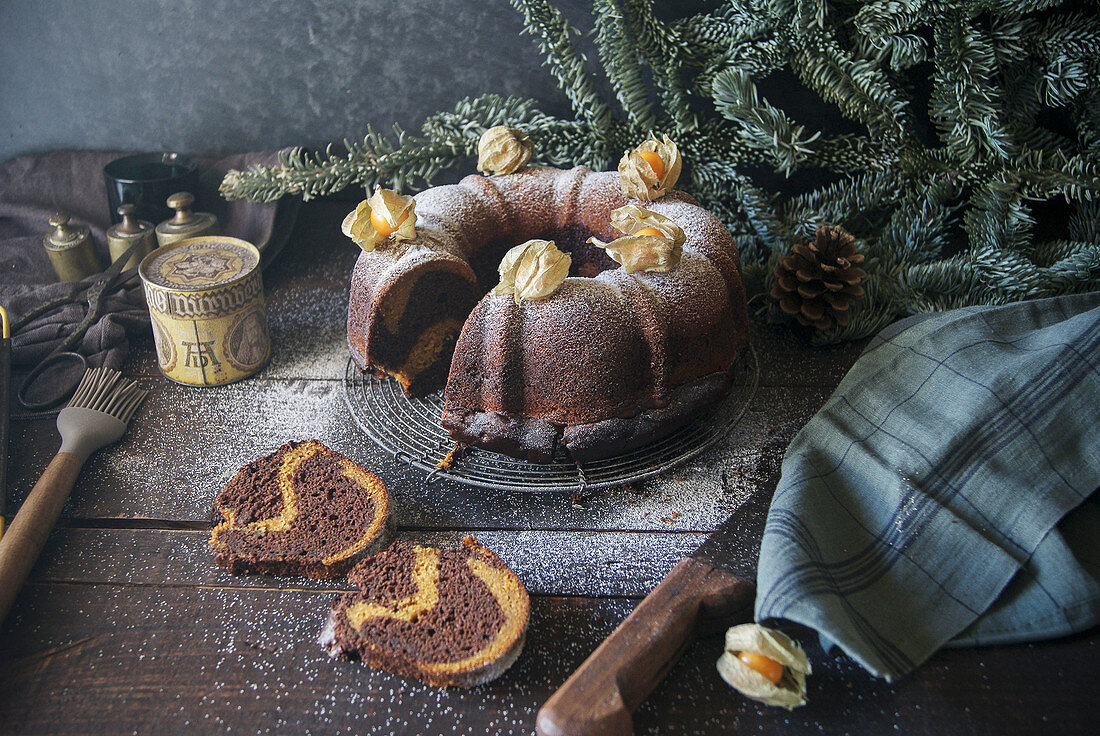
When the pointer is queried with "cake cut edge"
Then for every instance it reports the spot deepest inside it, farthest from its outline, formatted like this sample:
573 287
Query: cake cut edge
436 674
378 535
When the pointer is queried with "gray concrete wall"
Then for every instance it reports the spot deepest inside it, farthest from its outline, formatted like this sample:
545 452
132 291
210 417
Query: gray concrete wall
215 76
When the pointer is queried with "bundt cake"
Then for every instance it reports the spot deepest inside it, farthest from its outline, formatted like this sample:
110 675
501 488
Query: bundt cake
607 363
452 617
302 510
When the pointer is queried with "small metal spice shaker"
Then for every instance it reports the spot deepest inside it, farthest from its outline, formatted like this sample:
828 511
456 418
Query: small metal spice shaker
71 249
185 223
131 231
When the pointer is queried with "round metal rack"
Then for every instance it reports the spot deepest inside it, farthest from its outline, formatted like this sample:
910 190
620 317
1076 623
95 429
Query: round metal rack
409 430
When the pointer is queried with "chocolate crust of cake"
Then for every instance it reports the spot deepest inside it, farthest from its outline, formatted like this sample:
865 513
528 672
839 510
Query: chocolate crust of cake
303 510
452 617
609 362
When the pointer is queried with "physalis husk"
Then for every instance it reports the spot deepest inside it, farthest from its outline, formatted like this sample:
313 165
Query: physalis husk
385 215
651 169
502 150
653 242
532 270
750 675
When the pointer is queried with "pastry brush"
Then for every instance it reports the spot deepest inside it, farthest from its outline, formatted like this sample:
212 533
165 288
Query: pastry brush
96 416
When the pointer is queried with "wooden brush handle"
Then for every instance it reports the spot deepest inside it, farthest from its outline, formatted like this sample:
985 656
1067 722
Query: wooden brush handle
599 697
23 540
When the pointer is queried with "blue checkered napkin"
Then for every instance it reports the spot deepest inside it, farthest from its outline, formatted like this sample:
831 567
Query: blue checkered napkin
942 495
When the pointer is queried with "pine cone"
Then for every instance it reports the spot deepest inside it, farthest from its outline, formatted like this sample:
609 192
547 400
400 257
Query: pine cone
818 281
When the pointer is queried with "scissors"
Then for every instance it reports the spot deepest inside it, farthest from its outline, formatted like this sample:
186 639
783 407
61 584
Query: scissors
95 295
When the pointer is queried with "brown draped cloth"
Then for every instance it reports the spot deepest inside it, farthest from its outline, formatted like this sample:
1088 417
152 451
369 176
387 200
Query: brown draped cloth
34 187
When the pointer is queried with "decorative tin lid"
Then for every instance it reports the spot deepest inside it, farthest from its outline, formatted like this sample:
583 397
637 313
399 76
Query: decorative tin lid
200 263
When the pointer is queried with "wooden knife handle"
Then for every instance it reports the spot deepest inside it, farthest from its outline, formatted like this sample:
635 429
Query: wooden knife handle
24 539
599 697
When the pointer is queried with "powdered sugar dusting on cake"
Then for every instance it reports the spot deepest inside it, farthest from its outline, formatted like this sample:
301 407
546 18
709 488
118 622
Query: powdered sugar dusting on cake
585 354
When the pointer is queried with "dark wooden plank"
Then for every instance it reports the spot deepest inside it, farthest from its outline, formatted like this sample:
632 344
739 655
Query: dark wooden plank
185 443
599 564
122 659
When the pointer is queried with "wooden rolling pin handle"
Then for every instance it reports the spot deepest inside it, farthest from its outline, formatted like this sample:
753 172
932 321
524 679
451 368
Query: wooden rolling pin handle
600 696
25 537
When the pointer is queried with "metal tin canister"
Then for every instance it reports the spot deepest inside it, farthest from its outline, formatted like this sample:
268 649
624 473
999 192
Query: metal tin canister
206 300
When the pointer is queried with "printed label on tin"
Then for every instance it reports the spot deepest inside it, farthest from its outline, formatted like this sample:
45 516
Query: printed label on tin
247 343
204 304
206 301
209 352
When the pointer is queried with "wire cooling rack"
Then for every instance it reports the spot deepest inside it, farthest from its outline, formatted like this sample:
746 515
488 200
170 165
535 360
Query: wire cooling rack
409 430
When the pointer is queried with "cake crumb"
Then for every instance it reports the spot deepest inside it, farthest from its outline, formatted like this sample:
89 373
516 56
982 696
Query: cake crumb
453 455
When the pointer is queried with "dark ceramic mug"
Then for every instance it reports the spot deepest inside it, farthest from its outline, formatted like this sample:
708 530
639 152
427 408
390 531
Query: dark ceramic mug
146 180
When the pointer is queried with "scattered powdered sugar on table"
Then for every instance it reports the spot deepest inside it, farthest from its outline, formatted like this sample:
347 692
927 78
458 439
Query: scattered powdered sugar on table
218 645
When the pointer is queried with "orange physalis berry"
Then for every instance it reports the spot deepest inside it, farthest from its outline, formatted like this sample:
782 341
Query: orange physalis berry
651 231
766 666
382 226
655 162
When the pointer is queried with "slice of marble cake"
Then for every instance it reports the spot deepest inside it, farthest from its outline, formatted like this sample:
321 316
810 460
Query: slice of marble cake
302 510
451 617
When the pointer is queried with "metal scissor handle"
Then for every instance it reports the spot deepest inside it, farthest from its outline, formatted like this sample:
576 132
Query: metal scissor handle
55 400
109 280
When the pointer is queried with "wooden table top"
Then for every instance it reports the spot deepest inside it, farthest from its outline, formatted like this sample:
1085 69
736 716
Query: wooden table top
126 625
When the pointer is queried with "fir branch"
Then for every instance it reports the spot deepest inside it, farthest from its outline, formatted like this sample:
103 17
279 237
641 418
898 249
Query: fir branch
1022 104
554 34
808 15
448 138
1008 7
944 284
1087 120
761 126
850 155
858 204
620 61
902 52
860 90
1078 270
1006 37
734 36
919 230
998 219
1068 48
1046 174
712 35
1084 222
884 32
659 45
882 19
1010 275
965 107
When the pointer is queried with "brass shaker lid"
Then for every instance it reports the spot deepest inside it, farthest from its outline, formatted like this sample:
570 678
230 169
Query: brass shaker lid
186 222
130 228
65 234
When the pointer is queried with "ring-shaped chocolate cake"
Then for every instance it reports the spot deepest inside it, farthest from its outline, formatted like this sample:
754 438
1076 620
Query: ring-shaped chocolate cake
607 363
